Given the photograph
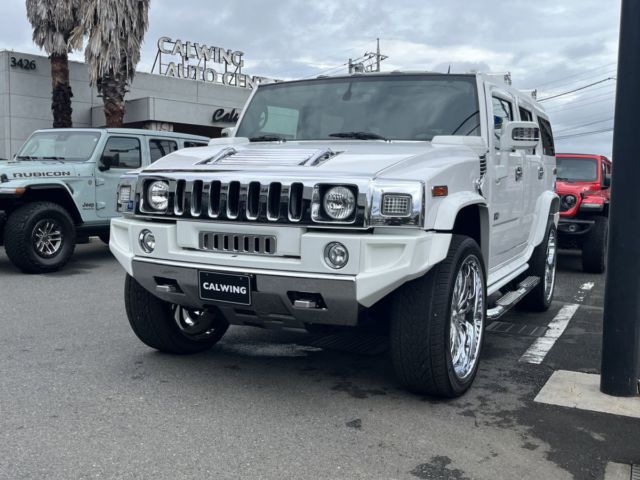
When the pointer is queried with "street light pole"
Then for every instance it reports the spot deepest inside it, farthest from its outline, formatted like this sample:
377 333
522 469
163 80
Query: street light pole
620 375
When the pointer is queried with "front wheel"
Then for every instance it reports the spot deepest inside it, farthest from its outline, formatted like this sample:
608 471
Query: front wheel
594 248
437 323
39 237
168 327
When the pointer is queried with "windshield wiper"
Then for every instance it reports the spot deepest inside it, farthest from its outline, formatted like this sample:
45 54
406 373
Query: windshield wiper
60 159
25 157
268 138
358 135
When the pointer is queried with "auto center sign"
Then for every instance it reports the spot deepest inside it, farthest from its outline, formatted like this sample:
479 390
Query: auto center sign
195 61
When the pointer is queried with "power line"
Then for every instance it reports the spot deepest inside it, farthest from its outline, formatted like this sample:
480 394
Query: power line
583 134
577 127
583 95
577 89
560 80
574 105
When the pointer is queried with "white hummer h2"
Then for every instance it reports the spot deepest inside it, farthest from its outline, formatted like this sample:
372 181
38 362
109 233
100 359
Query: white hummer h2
411 199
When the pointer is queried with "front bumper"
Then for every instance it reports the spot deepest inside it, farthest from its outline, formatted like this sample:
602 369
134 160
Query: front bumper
378 264
574 227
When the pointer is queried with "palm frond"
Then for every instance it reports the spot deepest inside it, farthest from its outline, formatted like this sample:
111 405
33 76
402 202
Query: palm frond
52 22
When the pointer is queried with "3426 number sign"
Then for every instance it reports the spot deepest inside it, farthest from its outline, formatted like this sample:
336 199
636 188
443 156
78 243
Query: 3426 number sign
23 63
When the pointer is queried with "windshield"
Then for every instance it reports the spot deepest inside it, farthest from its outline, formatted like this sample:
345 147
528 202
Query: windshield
577 169
396 107
62 145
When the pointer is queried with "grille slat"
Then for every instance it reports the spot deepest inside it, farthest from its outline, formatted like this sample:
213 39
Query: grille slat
238 243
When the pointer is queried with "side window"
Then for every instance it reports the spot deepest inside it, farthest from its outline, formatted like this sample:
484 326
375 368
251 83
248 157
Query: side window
123 152
502 113
525 115
158 148
190 143
548 147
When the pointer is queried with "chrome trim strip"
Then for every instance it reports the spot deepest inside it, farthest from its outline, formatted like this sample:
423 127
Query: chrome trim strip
255 271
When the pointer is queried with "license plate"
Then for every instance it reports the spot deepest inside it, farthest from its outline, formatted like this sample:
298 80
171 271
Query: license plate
225 287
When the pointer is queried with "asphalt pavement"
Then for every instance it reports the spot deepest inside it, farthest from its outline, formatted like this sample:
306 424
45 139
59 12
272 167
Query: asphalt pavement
82 398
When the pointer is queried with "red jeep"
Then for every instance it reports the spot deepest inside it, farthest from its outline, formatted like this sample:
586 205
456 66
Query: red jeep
583 183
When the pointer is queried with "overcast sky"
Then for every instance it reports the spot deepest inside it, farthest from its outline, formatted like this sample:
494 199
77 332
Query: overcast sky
554 46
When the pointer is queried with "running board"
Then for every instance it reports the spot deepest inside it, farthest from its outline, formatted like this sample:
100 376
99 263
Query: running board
508 301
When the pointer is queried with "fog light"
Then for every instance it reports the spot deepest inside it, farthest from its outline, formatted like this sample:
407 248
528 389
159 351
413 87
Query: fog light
147 241
336 255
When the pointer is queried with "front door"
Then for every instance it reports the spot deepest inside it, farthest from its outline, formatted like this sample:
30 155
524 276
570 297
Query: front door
509 238
121 153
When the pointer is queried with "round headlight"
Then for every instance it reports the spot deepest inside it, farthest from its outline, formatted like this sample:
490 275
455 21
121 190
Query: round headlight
569 201
158 195
336 255
339 203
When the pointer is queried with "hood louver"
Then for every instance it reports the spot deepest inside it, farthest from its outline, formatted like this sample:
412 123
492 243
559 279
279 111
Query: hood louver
277 157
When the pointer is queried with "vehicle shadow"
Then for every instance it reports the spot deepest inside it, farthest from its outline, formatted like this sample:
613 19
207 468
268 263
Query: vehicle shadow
570 261
87 257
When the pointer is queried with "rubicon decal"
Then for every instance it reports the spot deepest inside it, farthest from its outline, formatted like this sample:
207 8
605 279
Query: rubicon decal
40 174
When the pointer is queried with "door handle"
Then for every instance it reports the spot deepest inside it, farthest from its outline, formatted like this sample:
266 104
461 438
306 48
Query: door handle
540 173
518 173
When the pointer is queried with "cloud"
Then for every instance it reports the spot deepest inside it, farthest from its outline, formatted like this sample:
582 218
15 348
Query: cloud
538 42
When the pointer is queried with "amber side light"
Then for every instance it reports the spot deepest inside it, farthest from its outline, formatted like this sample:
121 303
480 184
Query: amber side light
440 191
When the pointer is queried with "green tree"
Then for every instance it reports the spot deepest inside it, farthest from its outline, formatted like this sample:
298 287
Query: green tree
53 22
115 30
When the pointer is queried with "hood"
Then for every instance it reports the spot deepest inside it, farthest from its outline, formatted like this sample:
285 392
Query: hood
23 170
312 159
576 188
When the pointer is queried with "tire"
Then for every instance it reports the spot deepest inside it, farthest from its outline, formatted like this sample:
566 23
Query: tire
104 237
421 322
161 325
49 221
544 255
594 247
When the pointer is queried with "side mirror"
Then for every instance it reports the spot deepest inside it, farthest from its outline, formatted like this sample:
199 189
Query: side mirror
105 163
606 181
519 135
228 132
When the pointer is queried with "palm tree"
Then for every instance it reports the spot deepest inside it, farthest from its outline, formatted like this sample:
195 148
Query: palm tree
53 22
115 30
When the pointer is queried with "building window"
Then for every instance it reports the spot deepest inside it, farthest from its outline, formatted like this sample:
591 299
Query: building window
158 148
123 152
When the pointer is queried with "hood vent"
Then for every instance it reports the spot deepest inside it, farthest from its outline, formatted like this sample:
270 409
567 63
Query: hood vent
281 157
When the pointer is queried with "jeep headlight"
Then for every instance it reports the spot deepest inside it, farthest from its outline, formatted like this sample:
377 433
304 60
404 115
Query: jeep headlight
158 195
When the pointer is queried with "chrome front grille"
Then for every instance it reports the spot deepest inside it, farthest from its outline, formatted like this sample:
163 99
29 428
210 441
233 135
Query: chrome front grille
238 243
233 200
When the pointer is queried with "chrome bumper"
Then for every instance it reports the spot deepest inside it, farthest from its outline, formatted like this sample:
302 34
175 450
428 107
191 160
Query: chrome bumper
284 300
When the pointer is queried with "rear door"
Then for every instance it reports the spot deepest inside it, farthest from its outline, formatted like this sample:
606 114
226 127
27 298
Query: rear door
159 147
123 153
535 173
507 202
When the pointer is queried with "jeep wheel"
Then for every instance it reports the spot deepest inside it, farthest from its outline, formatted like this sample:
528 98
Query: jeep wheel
437 323
39 237
594 247
168 327
542 264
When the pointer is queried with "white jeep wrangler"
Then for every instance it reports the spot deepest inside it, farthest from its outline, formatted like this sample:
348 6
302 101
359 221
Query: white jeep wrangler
422 201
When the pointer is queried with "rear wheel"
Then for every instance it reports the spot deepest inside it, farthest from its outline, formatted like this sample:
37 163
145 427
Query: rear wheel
169 327
594 247
437 323
39 237
542 264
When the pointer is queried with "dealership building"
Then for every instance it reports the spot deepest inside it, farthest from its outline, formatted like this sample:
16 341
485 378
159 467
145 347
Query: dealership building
194 89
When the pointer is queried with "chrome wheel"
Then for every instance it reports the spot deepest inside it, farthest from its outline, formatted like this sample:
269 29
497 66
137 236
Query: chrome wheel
47 238
550 265
467 317
195 324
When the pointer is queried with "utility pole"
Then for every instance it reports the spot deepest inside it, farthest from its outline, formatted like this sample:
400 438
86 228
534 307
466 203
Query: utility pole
369 62
621 328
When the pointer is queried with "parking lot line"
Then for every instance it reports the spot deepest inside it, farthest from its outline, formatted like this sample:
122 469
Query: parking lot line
537 352
539 349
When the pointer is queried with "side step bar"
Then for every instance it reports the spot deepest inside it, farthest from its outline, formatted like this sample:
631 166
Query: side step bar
508 301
